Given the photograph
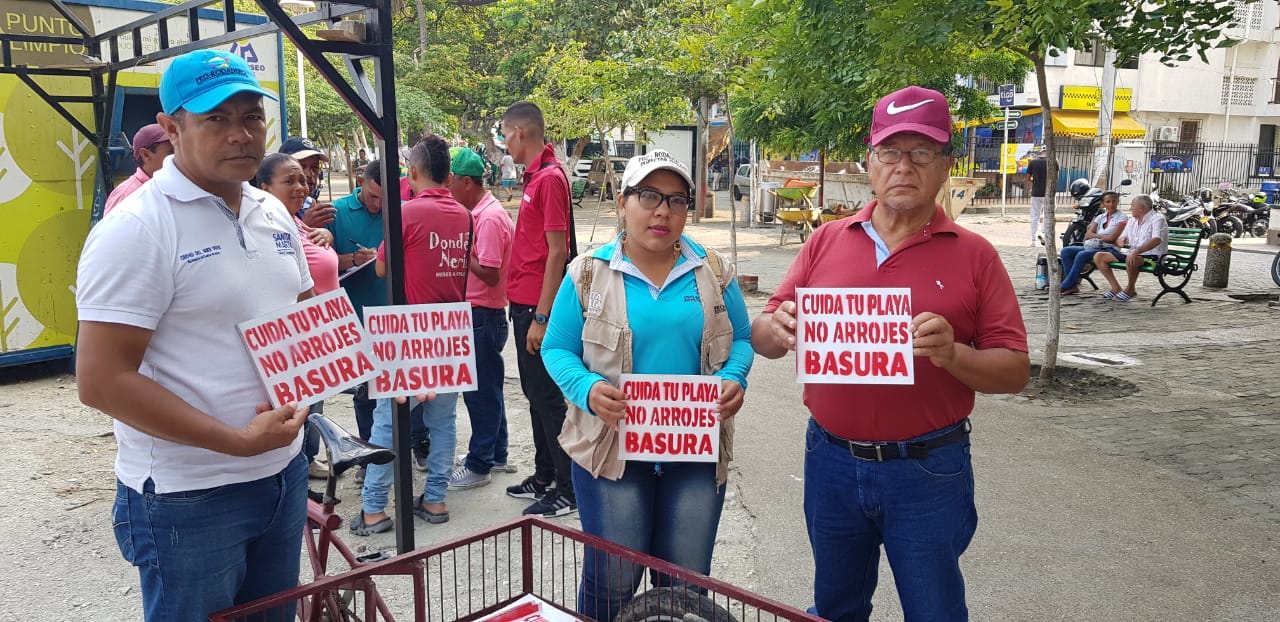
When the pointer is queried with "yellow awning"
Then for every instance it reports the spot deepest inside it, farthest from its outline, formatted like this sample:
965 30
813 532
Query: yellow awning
1084 124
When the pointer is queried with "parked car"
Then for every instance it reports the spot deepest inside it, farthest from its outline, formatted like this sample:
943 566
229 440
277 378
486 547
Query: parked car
581 168
596 178
741 183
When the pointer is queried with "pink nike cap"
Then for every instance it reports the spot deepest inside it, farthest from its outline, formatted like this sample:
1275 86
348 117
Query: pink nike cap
913 109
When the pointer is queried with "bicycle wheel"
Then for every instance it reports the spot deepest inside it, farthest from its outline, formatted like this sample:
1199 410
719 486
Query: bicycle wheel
1275 270
673 604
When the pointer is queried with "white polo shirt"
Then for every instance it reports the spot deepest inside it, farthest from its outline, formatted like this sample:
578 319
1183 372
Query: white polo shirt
174 259
1139 232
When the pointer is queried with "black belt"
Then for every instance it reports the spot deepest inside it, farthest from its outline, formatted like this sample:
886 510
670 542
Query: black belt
916 450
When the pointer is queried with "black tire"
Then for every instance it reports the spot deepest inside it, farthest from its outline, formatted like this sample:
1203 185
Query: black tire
1208 228
1074 235
1275 270
1259 228
1231 225
673 604
735 193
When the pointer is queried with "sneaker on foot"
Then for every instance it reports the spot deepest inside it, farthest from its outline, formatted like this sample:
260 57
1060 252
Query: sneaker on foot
360 476
317 470
552 504
530 488
498 467
420 460
463 478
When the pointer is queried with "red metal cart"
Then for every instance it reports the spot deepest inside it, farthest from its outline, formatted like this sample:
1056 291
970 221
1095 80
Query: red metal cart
472 577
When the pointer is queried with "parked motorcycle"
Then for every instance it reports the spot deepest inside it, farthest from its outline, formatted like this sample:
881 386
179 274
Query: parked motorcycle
1254 215
1088 204
1195 211
1225 219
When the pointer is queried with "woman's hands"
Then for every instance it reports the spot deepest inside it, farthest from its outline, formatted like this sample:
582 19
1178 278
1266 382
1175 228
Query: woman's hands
731 395
608 402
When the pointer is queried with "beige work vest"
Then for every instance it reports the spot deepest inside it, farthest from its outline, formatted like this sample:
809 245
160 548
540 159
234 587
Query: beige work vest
606 350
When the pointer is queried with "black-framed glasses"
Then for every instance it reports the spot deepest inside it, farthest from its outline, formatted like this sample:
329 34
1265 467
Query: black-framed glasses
888 155
650 199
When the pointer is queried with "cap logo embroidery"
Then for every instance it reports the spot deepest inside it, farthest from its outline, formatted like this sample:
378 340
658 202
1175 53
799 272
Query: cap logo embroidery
896 109
218 62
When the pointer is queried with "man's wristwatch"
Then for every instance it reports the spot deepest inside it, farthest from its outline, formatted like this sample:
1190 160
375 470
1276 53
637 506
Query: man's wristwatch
540 318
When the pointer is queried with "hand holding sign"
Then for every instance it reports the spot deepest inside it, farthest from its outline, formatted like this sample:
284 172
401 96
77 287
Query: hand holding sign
933 337
783 325
731 395
272 428
608 402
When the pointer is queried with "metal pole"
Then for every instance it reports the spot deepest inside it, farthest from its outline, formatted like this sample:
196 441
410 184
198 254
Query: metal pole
1004 165
302 95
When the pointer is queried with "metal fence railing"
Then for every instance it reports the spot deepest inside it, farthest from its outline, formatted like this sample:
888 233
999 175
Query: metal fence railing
1174 168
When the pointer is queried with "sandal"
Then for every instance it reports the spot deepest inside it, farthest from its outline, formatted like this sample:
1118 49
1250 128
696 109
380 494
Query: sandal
360 528
1109 295
1123 297
434 518
1069 291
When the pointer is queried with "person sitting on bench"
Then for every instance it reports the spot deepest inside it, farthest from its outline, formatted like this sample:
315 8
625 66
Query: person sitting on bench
1147 235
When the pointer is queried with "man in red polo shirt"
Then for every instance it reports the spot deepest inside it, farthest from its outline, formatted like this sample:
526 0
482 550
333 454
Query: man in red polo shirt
437 238
889 464
538 257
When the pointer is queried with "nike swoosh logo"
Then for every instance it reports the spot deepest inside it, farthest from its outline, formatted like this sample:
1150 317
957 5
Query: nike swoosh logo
895 109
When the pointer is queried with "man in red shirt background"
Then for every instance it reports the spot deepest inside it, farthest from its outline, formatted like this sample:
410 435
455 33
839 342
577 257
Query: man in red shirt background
150 146
538 258
889 464
436 233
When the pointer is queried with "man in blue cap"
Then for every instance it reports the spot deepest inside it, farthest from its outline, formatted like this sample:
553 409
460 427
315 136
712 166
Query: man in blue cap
210 483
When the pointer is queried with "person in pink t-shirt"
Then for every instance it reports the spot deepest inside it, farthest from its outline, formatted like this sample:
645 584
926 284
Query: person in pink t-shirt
487 292
282 176
150 146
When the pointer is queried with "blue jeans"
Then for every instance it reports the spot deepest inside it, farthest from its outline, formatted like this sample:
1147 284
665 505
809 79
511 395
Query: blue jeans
364 418
200 551
546 407
485 405
1074 259
670 511
438 416
921 510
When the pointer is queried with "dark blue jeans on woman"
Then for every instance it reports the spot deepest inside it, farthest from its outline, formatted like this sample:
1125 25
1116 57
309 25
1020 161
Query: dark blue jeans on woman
1074 259
670 511
922 511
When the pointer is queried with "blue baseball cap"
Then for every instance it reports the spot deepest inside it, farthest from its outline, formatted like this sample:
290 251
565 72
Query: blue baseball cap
199 81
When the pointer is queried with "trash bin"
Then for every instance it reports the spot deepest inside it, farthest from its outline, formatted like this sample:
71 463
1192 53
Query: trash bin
768 202
1272 189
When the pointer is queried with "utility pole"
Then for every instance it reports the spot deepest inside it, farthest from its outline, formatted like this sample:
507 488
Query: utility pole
1106 112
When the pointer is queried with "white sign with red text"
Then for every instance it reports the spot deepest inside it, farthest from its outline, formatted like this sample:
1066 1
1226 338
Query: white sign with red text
854 336
670 418
310 350
421 348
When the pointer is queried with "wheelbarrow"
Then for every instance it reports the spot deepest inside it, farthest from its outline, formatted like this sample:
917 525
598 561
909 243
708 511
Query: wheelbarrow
794 208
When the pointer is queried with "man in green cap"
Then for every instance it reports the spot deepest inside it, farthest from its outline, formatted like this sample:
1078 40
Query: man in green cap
487 293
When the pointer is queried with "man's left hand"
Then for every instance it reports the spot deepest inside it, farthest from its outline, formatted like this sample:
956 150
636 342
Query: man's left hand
533 341
731 395
932 336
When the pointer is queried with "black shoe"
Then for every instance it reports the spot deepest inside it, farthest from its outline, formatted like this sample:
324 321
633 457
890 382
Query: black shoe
420 458
530 488
552 504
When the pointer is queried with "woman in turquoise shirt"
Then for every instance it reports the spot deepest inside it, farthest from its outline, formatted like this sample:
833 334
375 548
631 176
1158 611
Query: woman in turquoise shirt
658 304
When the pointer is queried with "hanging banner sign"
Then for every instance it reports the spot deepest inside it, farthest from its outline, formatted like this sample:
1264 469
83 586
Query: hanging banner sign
670 418
854 336
422 348
309 351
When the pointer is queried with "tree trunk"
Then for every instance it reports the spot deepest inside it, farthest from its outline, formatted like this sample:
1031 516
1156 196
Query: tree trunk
1049 224
422 29
700 158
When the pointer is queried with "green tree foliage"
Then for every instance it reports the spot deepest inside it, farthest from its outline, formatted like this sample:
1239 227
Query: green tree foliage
819 66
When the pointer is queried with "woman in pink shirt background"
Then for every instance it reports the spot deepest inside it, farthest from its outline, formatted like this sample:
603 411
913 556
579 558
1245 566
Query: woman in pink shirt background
282 176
